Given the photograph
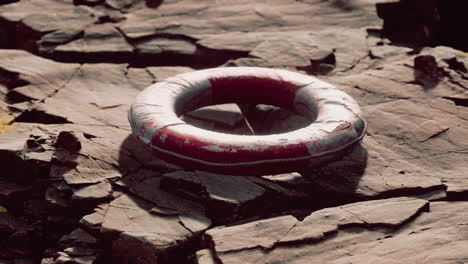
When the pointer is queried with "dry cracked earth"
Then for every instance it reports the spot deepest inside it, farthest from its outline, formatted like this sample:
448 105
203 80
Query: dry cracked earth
76 188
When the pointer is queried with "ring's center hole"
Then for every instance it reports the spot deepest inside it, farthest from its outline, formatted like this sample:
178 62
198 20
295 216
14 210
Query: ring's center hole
246 119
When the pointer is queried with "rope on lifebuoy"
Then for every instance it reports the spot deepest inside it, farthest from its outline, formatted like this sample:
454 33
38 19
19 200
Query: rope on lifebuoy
337 127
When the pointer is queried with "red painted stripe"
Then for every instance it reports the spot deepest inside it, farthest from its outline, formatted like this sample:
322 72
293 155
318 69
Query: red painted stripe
251 169
192 146
242 170
252 89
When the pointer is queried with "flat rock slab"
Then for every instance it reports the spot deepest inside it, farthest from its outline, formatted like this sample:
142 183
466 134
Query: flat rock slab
349 228
231 198
149 230
236 17
97 43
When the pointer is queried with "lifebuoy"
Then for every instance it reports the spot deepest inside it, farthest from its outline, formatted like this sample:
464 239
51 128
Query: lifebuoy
154 118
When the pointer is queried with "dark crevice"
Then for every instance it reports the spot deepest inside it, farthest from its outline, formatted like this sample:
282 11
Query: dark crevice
99 57
458 101
202 58
418 23
19 36
26 38
456 65
39 116
11 79
109 19
7 34
153 3
136 41
461 196
347 6
35 115
208 243
117 57
89 136
88 2
321 66
389 226
5 2
365 226
359 60
46 47
374 32
409 191
13 97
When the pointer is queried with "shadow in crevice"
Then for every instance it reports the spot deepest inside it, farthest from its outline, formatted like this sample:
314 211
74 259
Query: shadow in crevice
47 206
458 101
154 3
418 23
336 183
200 58
4 2
41 117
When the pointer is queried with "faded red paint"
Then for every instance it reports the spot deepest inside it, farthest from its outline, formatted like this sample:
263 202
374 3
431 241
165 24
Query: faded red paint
192 146
253 89
246 169
143 126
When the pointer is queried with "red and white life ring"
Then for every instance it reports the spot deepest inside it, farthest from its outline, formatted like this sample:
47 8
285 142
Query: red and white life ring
337 127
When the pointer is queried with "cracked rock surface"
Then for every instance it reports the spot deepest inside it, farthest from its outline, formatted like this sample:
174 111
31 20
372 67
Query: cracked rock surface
76 187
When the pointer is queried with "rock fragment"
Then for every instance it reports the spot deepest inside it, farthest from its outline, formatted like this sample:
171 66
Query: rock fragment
92 222
78 237
230 198
428 129
263 234
148 236
427 70
48 42
166 51
95 193
205 256
102 42
69 141
385 213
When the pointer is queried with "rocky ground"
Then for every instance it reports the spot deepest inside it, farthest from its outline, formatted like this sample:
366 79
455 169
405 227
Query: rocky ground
75 187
